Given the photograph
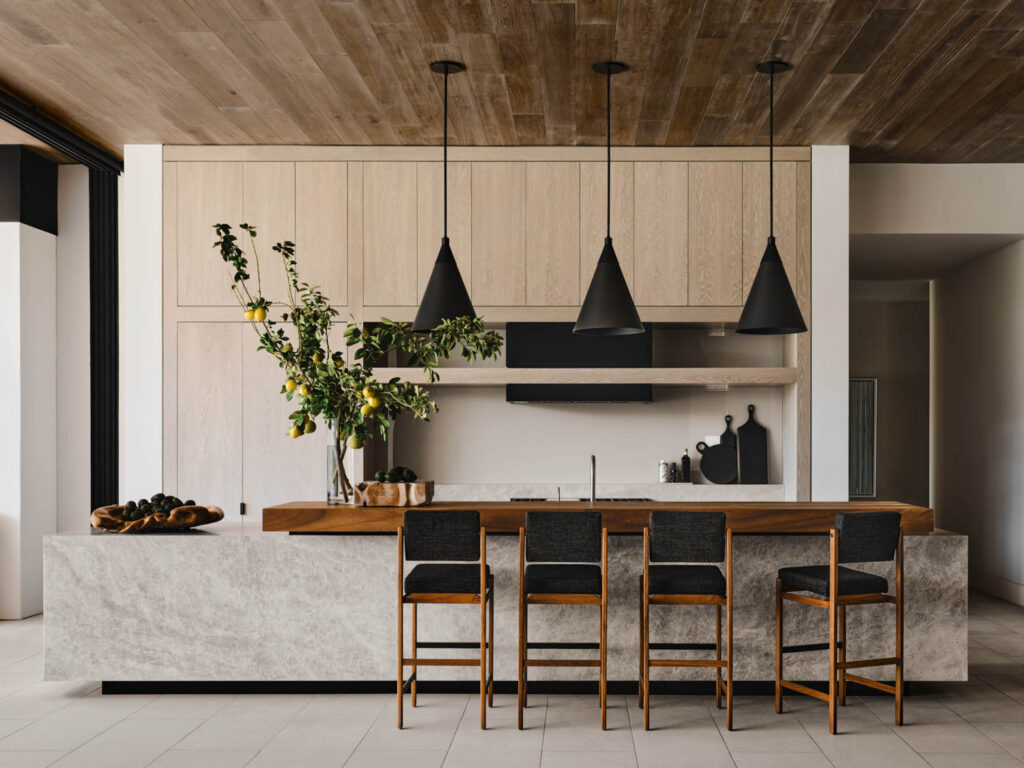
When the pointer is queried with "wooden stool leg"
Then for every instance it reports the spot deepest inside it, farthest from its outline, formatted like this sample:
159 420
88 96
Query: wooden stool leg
412 688
718 656
526 655
640 649
842 655
778 645
899 630
647 662
401 664
833 620
490 649
728 628
604 629
521 662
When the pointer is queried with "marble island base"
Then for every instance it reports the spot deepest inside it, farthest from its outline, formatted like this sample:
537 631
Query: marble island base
228 604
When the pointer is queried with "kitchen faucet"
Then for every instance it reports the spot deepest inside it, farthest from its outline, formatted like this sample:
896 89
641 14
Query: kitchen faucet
593 478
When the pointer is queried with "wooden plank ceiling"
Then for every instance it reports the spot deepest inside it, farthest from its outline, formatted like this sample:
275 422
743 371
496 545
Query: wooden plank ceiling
906 80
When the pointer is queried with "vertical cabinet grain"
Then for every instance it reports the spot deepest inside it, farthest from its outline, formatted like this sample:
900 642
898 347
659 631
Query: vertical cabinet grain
389 234
430 197
268 203
499 234
210 443
321 227
553 234
716 234
207 194
755 217
593 200
661 216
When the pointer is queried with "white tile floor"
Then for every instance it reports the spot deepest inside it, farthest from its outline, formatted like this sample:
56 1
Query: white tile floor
979 724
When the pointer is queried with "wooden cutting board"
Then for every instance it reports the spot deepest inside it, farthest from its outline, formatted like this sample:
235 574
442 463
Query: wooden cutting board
753 451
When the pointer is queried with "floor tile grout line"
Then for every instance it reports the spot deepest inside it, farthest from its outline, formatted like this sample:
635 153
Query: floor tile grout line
456 731
369 728
198 726
718 728
280 730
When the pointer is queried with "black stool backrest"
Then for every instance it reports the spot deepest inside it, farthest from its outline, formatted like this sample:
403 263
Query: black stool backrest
687 537
563 537
867 537
442 534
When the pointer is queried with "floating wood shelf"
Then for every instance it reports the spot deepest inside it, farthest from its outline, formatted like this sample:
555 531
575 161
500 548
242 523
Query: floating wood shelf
698 316
479 376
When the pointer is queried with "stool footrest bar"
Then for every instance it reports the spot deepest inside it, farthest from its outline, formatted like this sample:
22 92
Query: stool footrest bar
885 687
564 646
820 695
682 646
449 645
867 663
688 663
563 662
804 648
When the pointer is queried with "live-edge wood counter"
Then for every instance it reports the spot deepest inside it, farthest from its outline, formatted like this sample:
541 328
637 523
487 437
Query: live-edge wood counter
504 517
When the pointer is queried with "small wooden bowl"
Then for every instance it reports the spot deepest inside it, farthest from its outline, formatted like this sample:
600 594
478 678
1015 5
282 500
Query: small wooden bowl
178 519
374 494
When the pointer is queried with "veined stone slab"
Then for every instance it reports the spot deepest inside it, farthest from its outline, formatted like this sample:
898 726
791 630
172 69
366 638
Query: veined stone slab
232 603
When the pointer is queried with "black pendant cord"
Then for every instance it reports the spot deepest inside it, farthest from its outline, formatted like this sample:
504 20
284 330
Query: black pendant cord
445 162
771 153
608 146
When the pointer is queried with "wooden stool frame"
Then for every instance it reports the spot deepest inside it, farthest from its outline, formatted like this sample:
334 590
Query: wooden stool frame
484 598
838 665
646 646
563 599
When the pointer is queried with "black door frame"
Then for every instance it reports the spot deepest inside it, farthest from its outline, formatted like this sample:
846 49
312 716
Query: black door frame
104 168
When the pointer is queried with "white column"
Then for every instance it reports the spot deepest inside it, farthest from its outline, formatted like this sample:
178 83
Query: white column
28 420
830 321
73 350
140 291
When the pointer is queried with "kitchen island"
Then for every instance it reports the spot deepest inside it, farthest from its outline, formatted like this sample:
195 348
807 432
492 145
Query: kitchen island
236 607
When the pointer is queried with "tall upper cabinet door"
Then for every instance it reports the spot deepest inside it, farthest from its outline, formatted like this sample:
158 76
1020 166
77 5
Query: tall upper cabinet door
499 234
268 203
321 227
208 194
593 225
662 240
755 218
716 238
431 218
553 234
389 234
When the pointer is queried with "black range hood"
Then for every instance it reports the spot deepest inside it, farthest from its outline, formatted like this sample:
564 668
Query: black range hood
554 345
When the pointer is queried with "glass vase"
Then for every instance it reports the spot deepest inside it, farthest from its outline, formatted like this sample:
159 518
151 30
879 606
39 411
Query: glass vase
339 490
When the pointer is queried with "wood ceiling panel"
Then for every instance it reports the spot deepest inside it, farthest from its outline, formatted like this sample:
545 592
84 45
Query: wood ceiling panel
910 80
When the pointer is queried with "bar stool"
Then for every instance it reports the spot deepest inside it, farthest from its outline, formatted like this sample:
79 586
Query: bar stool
860 537
435 535
562 548
687 537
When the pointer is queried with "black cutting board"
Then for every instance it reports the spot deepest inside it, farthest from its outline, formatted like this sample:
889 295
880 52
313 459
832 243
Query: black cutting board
718 462
753 451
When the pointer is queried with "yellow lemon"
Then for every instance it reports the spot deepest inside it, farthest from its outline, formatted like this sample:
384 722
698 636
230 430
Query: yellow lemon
286 348
260 314
249 314
317 358
310 427
355 442
369 392
304 390
294 432
290 385
366 410
373 402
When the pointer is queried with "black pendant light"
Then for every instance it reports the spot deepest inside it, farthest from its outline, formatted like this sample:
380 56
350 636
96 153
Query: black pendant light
446 297
608 309
771 307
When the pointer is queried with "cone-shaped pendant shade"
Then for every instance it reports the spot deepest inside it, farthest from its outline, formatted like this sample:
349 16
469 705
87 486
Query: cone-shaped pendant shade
771 307
446 297
608 308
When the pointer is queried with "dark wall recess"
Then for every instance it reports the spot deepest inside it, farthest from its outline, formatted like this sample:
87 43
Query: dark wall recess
28 188
103 334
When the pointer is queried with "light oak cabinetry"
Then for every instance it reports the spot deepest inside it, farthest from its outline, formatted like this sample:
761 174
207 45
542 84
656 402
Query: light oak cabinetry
321 226
430 194
207 194
716 238
389 234
499 234
553 234
661 216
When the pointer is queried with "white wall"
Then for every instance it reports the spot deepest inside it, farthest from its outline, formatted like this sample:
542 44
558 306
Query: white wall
140 301
28 421
978 315
73 359
830 322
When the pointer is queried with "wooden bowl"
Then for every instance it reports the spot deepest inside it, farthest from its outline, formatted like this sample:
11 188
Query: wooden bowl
374 494
178 519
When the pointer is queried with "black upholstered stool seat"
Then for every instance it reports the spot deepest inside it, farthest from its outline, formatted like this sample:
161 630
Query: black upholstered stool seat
814 578
686 580
445 578
563 579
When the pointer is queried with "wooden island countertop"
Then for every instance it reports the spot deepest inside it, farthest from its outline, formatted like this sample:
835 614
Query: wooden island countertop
505 517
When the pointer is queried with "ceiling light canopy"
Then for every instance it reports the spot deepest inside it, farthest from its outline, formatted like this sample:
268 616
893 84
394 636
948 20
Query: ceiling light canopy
445 297
771 307
608 308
